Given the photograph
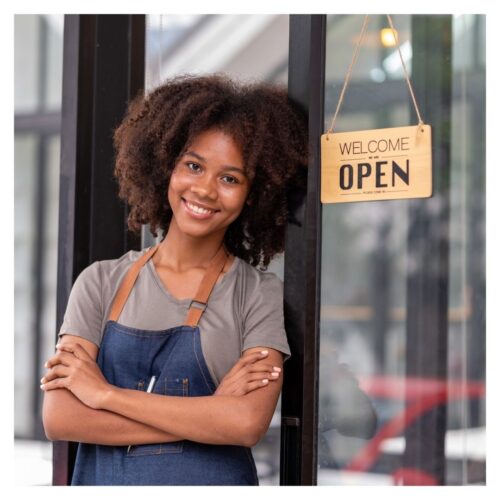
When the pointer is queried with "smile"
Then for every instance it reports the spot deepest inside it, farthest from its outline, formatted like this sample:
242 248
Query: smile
196 211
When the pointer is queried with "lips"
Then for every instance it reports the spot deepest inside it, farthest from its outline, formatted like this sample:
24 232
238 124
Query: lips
197 211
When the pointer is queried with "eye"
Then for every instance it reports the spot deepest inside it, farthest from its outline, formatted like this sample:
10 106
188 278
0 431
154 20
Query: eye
193 166
231 179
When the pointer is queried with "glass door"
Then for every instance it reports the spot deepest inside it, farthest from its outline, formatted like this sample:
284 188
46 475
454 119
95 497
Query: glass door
402 316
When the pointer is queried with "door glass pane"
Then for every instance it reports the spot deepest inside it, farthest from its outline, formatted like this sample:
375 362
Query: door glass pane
25 151
27 29
402 333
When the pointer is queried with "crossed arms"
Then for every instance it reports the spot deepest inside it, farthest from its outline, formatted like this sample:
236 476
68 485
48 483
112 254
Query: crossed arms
79 405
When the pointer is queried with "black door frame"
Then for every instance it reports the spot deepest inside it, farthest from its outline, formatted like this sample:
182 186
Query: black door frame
302 283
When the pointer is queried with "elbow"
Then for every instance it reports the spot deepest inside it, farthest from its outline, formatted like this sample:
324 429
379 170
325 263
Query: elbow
53 425
56 431
249 438
50 429
254 430
50 435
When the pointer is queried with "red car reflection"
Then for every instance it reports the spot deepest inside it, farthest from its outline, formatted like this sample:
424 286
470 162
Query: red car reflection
421 396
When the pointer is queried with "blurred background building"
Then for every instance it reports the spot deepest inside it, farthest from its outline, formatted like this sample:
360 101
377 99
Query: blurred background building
368 259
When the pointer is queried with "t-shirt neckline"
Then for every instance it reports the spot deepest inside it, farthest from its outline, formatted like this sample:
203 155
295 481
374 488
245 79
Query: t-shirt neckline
165 290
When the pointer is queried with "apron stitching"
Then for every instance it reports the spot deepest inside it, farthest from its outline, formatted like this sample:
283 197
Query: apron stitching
199 364
126 330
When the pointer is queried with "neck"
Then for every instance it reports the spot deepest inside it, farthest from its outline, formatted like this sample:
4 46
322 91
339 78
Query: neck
180 251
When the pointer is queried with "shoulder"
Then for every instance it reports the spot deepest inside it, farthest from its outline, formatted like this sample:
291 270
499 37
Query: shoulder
257 278
111 269
263 317
105 275
86 311
259 286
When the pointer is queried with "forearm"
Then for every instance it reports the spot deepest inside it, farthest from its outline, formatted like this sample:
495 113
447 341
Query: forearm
205 419
66 418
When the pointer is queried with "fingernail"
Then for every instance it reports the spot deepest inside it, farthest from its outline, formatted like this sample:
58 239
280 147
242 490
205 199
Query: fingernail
265 381
42 380
264 352
275 374
42 387
276 368
46 365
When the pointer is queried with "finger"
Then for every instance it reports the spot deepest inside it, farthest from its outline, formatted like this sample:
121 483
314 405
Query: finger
253 377
249 375
62 358
76 349
53 359
242 387
263 367
252 386
246 360
251 358
56 372
244 373
57 383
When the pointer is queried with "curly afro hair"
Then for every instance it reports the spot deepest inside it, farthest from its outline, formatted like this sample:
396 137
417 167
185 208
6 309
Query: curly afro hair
269 128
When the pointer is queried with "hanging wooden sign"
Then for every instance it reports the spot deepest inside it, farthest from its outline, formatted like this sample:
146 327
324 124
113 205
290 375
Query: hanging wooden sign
380 164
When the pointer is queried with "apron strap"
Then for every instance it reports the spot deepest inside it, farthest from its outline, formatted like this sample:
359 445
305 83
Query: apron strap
127 284
197 305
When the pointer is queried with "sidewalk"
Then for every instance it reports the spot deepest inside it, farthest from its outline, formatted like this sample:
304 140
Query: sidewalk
33 463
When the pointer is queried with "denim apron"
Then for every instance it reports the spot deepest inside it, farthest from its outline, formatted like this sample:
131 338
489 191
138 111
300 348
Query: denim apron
129 358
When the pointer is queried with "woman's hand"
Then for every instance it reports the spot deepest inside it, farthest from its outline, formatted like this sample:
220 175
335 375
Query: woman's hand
250 372
74 369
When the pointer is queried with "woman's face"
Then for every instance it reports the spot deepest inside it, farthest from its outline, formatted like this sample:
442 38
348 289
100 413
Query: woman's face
208 186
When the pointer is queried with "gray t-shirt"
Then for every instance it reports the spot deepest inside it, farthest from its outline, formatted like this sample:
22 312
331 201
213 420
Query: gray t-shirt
245 309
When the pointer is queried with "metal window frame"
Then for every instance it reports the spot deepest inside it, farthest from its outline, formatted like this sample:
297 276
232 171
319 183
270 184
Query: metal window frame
428 245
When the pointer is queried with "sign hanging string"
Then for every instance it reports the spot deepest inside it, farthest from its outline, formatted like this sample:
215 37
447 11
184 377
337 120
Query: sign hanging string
353 62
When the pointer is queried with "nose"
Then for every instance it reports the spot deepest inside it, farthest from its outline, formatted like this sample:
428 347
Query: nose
204 187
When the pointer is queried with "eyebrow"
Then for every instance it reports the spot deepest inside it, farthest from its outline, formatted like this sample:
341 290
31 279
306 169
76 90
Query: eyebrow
226 167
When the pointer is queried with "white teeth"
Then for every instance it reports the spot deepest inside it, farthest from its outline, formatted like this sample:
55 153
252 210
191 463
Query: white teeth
197 209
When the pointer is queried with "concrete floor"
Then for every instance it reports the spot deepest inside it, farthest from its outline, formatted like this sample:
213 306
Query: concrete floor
33 463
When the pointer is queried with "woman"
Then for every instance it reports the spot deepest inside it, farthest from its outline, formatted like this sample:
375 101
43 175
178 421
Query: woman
218 167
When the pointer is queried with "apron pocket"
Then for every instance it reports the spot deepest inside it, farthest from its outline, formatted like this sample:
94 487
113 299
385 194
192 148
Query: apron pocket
176 386
169 386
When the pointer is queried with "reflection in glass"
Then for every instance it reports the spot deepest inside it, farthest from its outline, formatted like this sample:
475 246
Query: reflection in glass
366 355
